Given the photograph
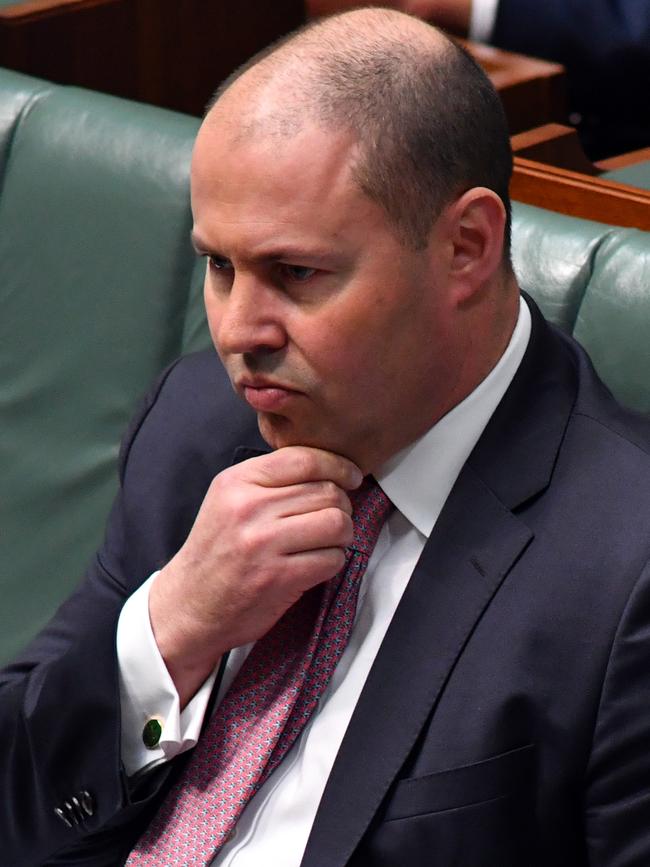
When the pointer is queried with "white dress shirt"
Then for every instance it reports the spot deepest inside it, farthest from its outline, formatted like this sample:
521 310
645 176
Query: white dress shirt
482 19
275 825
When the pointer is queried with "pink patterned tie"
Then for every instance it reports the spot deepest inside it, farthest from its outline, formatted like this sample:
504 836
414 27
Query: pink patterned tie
267 706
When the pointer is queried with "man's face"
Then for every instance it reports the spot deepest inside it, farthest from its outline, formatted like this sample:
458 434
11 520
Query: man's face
336 334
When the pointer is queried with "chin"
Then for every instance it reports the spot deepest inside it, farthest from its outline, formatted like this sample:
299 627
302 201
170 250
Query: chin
278 432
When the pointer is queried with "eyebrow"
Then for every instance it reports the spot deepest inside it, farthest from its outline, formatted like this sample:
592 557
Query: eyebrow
198 244
273 254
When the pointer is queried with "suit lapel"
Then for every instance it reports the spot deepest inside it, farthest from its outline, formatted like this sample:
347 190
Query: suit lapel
468 555
474 544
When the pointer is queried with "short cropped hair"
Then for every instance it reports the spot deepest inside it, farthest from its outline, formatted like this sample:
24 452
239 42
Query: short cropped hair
428 122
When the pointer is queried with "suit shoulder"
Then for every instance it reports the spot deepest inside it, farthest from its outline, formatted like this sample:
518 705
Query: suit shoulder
197 382
625 428
191 409
597 410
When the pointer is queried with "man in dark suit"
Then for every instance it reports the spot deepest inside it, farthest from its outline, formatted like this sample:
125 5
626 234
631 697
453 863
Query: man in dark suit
490 709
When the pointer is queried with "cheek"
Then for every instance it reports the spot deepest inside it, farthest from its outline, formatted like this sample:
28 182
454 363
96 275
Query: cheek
212 310
351 373
341 350
356 331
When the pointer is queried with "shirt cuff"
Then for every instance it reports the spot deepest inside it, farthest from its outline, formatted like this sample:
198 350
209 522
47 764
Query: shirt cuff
482 20
147 691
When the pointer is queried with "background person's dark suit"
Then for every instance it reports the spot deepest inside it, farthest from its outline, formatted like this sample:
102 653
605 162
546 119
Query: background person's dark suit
605 45
514 681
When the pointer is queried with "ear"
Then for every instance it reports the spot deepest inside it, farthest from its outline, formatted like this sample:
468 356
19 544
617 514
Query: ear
475 225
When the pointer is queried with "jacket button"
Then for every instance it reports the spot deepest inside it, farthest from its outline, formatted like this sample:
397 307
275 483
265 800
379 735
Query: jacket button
87 802
59 812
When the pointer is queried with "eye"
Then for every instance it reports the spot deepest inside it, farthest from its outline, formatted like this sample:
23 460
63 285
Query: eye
219 263
298 273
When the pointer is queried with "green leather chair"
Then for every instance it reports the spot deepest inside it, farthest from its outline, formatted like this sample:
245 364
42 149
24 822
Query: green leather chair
99 290
593 281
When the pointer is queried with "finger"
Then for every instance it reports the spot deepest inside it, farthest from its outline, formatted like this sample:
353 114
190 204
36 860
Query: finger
293 465
306 569
327 528
308 497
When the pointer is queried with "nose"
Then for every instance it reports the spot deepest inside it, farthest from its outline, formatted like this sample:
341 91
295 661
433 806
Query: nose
248 319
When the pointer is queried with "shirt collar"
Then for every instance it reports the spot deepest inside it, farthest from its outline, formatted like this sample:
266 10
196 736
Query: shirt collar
419 478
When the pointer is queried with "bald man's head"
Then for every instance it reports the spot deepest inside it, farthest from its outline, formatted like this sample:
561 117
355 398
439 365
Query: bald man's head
428 123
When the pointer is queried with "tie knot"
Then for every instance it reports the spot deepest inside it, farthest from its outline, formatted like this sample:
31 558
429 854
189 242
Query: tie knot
370 508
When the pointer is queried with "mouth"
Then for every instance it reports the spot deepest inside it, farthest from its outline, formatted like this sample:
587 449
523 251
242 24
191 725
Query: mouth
266 396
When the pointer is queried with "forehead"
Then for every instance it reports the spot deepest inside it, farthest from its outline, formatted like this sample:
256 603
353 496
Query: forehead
249 185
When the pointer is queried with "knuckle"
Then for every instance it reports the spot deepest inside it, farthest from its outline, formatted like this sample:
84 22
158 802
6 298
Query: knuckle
238 499
340 523
330 492
249 542
233 503
224 488
332 562
242 505
338 559
265 468
217 485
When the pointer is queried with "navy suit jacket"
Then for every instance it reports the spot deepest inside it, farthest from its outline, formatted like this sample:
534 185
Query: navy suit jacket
506 720
605 45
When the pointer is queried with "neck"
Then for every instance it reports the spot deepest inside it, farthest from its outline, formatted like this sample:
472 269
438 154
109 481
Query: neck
485 332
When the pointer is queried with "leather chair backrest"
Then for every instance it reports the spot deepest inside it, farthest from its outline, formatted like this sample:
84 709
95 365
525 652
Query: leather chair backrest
592 280
16 92
96 275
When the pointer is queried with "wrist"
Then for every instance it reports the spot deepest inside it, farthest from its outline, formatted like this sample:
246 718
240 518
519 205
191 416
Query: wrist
189 654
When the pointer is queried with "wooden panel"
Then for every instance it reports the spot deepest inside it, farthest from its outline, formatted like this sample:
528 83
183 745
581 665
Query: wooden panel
623 161
580 195
90 43
558 147
35 7
189 47
166 52
555 145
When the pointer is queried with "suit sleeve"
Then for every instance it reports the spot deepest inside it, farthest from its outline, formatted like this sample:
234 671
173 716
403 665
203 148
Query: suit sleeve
617 806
